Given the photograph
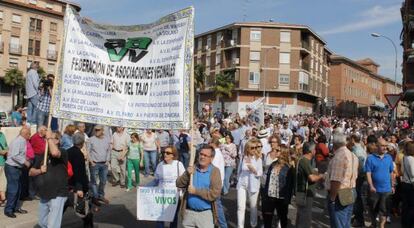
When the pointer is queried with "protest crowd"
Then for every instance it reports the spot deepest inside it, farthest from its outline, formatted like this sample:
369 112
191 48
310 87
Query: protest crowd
360 164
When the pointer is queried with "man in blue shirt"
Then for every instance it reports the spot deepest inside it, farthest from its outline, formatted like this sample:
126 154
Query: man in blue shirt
378 168
32 92
198 207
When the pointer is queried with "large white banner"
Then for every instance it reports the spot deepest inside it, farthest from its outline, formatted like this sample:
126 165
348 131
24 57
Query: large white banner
157 204
133 76
255 111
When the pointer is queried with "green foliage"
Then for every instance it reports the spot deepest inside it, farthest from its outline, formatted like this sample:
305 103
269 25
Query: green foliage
14 78
224 85
41 72
199 76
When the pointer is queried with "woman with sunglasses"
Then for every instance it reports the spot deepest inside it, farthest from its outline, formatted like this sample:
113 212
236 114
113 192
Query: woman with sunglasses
272 156
278 189
135 160
167 173
249 172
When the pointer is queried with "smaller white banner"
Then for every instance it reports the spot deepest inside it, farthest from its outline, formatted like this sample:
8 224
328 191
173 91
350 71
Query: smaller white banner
157 204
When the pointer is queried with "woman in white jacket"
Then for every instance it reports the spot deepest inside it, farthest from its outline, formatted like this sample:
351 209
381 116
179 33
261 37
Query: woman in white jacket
249 172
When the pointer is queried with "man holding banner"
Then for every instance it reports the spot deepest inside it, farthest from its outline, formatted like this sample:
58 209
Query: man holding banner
199 205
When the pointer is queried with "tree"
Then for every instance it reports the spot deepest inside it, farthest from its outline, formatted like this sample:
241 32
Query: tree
14 78
224 86
41 72
199 76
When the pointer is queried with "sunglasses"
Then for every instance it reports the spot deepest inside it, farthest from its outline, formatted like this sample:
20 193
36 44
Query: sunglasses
168 153
274 142
259 146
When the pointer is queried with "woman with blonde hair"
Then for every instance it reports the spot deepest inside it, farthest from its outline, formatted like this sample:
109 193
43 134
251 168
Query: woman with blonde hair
278 189
67 141
249 172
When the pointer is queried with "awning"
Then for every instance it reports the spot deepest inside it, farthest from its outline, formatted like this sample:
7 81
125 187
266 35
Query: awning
378 104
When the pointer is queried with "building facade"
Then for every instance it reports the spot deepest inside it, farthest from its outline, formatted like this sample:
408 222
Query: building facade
287 64
358 89
30 30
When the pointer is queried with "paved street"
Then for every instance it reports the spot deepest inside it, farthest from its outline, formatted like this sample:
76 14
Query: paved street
121 212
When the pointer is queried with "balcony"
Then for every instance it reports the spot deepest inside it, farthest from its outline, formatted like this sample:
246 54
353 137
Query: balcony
1 47
51 54
15 49
231 43
305 66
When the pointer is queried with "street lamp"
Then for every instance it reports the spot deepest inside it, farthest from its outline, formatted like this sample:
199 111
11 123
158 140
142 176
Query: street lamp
376 35
264 72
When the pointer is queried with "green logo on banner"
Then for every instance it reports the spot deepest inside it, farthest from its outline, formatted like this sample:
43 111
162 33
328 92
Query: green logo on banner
130 45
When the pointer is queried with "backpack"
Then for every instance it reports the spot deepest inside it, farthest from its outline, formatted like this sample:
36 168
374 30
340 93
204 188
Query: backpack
184 143
70 170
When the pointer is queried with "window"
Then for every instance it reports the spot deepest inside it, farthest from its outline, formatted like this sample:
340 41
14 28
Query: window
218 58
51 68
311 65
208 61
255 55
13 62
255 35
34 2
1 15
53 26
16 18
303 81
49 5
34 47
14 41
219 37
208 42
283 79
285 37
254 78
35 25
200 43
284 57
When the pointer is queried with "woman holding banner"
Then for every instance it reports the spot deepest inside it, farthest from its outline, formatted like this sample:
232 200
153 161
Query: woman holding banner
167 173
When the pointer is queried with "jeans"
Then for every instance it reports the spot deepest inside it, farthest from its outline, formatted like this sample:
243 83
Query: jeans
14 185
185 159
117 168
100 169
132 164
339 216
268 207
242 194
407 210
51 212
41 118
150 158
220 213
361 190
228 170
304 214
31 109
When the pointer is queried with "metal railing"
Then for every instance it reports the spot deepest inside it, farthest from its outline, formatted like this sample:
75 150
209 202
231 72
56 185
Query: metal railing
15 49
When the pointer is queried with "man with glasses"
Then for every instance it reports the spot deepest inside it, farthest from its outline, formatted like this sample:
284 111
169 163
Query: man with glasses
99 157
200 198
379 167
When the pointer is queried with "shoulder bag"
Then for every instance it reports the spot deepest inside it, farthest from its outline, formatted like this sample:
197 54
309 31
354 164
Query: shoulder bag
346 195
301 197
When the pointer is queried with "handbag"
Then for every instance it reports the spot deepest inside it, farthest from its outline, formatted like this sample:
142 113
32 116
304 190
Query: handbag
300 197
346 195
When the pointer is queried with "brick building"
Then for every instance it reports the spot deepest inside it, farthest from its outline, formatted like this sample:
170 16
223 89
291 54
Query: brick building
30 30
286 63
358 89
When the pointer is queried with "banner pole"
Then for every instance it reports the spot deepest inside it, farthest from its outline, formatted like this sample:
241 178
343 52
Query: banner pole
49 121
192 94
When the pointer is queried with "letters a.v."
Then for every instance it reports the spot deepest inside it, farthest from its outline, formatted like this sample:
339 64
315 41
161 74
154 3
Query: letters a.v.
131 44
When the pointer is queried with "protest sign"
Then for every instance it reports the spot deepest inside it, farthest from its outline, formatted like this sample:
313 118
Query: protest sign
157 204
134 76
255 111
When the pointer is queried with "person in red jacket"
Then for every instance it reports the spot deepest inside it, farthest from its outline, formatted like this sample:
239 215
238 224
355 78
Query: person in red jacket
322 154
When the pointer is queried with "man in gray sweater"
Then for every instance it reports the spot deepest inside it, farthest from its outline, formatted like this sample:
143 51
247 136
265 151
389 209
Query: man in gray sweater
99 157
